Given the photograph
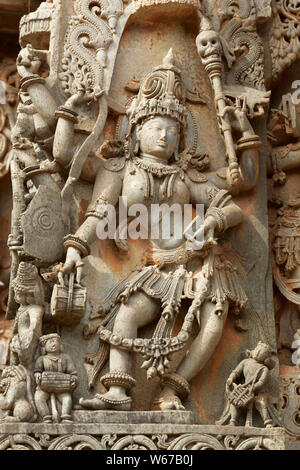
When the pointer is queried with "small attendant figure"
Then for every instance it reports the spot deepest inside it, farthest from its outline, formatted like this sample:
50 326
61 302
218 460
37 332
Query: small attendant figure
245 387
56 379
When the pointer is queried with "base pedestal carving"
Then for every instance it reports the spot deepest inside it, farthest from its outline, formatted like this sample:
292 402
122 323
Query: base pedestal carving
137 431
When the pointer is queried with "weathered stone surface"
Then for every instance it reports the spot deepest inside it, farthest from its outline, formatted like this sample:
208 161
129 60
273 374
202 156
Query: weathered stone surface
135 437
165 102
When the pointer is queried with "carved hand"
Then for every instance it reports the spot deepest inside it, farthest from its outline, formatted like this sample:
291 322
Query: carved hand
210 225
73 260
229 382
74 381
82 96
28 62
240 121
38 378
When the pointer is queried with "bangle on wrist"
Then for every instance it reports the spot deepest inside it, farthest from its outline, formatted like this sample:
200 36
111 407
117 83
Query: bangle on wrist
248 143
31 80
67 114
72 241
219 217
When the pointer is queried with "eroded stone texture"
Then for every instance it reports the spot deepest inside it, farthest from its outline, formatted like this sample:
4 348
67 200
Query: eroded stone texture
166 102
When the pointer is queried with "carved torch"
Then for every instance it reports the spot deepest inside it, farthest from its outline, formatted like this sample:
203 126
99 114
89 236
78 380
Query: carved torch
210 51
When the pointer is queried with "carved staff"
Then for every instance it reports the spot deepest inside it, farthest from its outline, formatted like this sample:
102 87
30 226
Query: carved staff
210 50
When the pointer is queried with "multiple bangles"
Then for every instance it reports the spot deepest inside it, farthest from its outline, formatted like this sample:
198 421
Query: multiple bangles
78 243
220 218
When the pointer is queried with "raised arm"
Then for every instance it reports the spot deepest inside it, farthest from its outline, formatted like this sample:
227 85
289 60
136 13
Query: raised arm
247 150
28 64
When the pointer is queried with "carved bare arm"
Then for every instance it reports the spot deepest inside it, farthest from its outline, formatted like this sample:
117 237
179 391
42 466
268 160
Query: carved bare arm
236 373
260 383
220 218
247 149
28 65
284 158
28 335
63 146
106 191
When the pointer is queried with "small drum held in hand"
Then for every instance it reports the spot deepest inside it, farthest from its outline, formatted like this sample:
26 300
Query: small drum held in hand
241 395
57 382
68 302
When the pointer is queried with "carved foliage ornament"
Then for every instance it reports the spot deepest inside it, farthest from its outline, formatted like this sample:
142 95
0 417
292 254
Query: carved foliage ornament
284 42
242 45
91 32
193 441
9 84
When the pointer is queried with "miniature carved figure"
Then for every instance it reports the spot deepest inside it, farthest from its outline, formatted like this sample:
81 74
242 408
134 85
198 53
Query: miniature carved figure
245 388
16 403
56 379
27 329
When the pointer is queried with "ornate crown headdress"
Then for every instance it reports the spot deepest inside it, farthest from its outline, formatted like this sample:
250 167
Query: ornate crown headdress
162 93
27 278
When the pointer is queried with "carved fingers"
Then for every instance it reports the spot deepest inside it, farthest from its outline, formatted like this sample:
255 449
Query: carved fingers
73 261
83 96
238 116
38 378
210 225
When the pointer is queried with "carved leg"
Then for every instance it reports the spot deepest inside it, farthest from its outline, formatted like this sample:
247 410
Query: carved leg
249 418
41 402
261 406
200 352
66 407
234 415
139 311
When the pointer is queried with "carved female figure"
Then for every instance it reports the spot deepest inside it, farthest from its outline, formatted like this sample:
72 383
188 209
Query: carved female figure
155 167
154 171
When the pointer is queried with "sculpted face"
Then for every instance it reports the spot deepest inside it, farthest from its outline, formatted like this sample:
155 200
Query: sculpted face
52 345
261 352
159 137
208 46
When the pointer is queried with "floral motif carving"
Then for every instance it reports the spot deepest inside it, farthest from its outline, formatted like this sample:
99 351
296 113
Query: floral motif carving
284 40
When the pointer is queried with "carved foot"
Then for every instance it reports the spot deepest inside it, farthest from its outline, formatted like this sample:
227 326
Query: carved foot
47 419
168 402
66 419
107 402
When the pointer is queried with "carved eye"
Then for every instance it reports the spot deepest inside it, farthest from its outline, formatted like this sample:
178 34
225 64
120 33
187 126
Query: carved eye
214 42
204 43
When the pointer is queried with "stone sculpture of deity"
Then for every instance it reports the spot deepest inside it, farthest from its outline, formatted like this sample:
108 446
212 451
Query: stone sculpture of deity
154 166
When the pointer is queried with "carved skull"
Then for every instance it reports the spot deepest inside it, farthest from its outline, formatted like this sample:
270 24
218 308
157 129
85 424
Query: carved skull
209 46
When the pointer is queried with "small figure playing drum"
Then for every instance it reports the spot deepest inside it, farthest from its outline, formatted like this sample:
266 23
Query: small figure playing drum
56 378
242 395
